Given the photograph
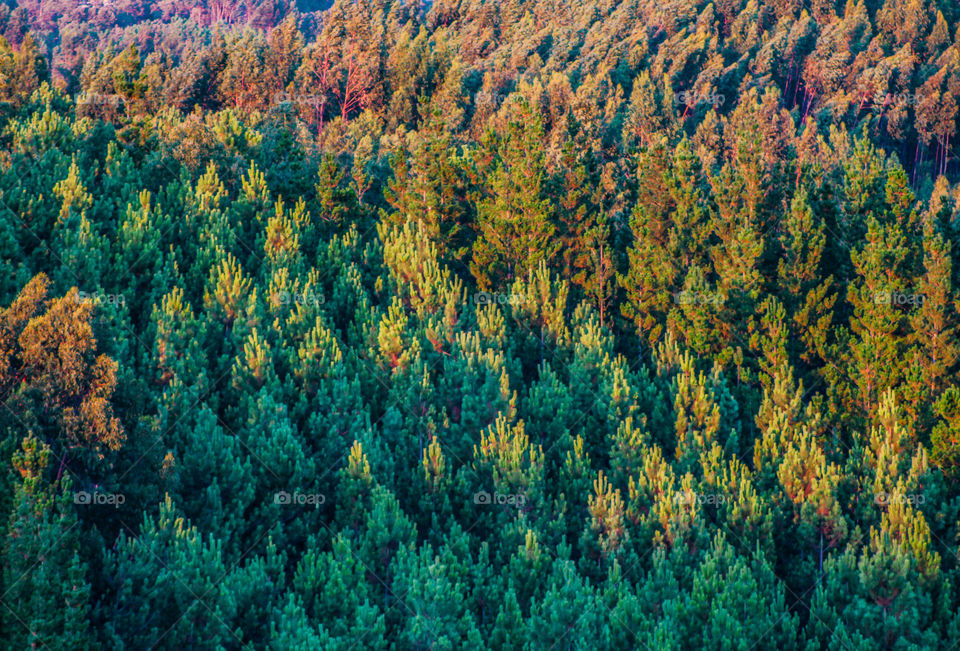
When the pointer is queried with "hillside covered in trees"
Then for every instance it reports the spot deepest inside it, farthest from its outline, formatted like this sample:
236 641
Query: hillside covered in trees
466 324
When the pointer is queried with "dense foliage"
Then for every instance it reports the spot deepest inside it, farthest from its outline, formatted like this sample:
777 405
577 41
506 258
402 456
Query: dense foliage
531 324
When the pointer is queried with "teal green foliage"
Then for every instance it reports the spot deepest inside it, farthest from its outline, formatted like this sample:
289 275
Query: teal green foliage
481 325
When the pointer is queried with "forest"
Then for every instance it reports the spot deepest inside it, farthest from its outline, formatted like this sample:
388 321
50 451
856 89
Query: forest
479 324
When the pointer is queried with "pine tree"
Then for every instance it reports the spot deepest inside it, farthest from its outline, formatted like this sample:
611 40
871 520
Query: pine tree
945 438
515 219
876 353
509 631
607 516
294 631
333 587
155 578
437 614
570 615
809 300
671 225
933 326
212 475
429 185
734 598
46 594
